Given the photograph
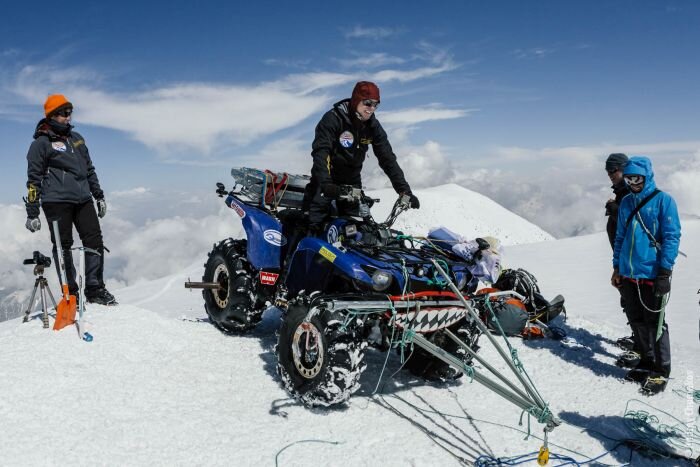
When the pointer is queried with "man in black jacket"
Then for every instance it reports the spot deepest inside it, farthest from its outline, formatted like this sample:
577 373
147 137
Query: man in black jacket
340 147
62 180
614 166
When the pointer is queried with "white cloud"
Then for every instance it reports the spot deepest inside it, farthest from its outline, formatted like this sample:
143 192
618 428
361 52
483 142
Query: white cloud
370 33
198 117
533 52
373 60
422 114
411 75
683 185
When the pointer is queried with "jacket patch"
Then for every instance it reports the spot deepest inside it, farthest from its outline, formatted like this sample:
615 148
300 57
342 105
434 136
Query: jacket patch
59 146
346 139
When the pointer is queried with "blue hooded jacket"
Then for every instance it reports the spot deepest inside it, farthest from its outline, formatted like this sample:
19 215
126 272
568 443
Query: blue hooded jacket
635 256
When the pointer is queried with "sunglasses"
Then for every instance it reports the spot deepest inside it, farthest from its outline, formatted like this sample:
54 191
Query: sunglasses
370 103
634 179
64 113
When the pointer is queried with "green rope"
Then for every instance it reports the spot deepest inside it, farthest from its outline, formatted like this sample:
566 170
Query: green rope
655 436
688 391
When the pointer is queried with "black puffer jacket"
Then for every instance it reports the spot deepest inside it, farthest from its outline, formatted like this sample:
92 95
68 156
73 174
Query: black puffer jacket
340 148
621 190
339 151
59 167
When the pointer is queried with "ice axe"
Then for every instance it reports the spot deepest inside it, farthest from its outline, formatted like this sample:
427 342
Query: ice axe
65 310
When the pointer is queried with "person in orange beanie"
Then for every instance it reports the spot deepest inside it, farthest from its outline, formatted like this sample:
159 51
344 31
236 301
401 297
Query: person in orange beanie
61 179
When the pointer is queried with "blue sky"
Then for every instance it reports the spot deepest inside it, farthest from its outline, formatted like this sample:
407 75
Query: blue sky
175 93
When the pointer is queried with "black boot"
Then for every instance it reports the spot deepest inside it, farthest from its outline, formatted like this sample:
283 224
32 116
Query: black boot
100 296
95 291
654 384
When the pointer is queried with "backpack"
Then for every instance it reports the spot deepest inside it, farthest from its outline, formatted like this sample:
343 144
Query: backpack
523 282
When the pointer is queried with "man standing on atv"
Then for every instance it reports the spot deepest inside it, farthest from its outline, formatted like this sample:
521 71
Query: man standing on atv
646 246
339 149
62 180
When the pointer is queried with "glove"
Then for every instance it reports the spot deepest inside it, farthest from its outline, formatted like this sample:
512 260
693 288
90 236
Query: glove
101 208
331 190
662 284
414 203
615 279
33 224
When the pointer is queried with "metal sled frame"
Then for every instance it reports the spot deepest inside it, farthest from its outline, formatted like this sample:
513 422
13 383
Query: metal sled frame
526 397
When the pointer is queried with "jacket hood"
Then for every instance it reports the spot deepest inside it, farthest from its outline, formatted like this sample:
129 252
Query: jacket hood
52 129
641 165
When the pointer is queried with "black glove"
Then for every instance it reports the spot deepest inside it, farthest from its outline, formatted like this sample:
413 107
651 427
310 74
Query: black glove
662 284
414 203
101 208
32 209
331 190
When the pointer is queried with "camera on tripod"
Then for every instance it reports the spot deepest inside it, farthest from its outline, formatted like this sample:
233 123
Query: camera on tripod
38 259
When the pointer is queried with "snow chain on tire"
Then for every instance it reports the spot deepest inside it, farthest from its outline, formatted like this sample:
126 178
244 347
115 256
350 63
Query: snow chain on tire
320 361
234 308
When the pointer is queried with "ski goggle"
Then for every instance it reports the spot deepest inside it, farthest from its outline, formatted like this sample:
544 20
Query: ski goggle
634 179
64 113
370 103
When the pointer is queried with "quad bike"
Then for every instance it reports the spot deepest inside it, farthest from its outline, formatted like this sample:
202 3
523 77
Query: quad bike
354 283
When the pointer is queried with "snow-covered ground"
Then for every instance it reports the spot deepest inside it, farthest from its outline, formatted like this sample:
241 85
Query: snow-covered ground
161 386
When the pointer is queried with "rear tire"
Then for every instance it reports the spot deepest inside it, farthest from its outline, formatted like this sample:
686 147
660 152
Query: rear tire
319 361
234 307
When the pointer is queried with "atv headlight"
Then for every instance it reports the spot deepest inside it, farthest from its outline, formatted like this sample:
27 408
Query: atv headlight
381 280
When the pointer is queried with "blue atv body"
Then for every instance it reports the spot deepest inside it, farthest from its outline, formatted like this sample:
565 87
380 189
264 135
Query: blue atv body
351 284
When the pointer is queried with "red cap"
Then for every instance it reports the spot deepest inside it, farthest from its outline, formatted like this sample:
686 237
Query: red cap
363 90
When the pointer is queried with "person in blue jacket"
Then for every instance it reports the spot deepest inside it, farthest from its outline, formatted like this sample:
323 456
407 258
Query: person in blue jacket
646 246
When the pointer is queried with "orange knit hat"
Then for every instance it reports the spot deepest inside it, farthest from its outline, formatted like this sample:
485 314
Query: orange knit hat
54 102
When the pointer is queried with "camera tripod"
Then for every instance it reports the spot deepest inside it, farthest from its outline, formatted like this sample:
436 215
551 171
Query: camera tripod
42 286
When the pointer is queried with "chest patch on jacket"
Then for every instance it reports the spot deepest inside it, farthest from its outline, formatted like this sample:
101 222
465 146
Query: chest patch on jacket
59 146
346 139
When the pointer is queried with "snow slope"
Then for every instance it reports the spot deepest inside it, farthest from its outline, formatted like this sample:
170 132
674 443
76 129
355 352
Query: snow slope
461 210
153 388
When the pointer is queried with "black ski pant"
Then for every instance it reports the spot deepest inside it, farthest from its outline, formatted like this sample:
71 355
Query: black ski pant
644 320
84 217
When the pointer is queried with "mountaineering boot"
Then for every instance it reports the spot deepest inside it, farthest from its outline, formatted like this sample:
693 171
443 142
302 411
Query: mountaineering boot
629 359
625 343
100 296
637 375
654 384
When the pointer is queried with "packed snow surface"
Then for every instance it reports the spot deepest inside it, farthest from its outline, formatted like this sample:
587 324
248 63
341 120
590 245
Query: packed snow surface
159 385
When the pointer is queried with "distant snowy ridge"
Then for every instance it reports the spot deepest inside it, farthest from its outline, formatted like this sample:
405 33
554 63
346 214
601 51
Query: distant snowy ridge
461 210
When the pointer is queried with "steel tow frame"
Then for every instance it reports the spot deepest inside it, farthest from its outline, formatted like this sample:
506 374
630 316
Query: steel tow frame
526 397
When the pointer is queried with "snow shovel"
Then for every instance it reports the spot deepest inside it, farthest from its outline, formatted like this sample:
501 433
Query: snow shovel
65 310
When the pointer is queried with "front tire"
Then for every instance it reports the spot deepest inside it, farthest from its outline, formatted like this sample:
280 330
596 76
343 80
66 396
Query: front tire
234 307
320 360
